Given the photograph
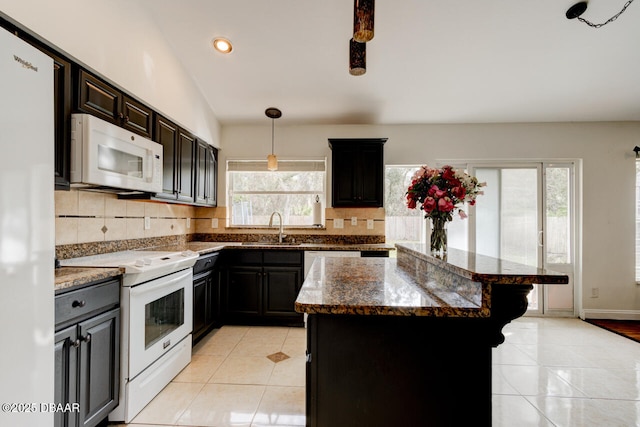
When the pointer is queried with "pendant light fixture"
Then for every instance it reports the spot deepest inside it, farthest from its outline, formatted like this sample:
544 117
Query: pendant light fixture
363 11
357 58
272 161
579 8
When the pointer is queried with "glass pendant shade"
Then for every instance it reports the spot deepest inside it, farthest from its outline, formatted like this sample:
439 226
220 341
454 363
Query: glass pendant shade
357 58
363 11
272 162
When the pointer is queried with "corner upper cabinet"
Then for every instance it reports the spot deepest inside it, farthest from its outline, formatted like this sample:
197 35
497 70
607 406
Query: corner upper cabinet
96 97
357 178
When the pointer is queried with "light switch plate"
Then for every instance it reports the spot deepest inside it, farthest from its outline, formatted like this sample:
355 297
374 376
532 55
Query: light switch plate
188 222
338 223
354 220
147 223
369 224
214 222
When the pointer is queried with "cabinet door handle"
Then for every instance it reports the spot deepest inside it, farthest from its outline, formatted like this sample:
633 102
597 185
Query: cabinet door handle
75 343
86 339
76 303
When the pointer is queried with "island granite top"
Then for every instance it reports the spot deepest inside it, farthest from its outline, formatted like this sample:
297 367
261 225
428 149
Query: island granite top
377 286
482 268
416 284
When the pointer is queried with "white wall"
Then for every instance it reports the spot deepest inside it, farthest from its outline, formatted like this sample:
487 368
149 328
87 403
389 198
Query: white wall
117 39
608 181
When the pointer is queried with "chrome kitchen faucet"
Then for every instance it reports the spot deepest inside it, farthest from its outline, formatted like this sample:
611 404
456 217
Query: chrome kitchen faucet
280 235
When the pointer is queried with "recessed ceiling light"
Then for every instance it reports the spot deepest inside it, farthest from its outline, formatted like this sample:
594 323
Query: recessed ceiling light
222 45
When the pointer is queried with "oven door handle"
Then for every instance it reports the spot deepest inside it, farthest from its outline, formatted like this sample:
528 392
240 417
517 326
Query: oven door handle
160 284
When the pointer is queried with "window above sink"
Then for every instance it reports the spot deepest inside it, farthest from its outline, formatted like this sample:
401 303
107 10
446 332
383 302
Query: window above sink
254 193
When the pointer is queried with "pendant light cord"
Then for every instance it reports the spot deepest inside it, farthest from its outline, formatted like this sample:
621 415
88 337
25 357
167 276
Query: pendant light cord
272 120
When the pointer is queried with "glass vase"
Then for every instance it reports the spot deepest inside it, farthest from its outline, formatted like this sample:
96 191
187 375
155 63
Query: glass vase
438 237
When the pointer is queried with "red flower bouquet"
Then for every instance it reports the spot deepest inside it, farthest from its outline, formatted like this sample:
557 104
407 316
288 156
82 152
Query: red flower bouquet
439 193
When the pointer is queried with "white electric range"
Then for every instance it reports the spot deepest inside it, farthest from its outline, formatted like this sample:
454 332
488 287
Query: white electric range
156 302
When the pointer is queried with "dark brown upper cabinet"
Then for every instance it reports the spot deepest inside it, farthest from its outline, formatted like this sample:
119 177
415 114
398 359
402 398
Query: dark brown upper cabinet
166 134
357 178
179 163
186 166
96 97
189 165
206 171
62 119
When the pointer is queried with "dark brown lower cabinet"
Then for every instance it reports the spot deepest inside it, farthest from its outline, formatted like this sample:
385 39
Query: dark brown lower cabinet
380 371
87 354
206 295
260 287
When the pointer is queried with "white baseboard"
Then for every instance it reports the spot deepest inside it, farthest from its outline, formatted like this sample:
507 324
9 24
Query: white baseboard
611 314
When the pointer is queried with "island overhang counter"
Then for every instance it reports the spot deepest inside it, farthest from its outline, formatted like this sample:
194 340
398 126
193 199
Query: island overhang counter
408 341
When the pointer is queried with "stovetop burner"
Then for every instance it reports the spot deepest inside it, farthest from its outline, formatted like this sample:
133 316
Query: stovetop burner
139 266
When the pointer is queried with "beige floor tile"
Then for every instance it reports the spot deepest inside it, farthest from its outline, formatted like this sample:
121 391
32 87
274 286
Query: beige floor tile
168 406
231 331
295 346
281 406
138 425
266 333
216 346
289 372
257 348
223 405
201 368
244 370
297 333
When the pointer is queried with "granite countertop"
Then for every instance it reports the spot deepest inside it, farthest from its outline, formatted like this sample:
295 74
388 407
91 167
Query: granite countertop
208 247
416 284
485 269
377 286
70 277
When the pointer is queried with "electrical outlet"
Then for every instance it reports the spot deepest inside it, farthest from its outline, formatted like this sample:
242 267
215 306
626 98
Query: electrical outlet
188 222
354 221
147 223
214 222
369 224
338 223
595 292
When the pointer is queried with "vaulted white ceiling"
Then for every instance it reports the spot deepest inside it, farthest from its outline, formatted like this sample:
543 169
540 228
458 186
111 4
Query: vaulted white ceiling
431 61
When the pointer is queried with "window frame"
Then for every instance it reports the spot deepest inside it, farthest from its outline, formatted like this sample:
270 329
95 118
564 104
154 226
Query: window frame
284 166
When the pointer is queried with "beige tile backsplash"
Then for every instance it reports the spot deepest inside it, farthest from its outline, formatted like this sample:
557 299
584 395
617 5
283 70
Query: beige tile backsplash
85 216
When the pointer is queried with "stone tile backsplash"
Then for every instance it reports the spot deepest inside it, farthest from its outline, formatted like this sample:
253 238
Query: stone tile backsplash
86 216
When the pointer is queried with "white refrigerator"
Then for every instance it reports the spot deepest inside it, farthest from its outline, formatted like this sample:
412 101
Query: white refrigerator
27 235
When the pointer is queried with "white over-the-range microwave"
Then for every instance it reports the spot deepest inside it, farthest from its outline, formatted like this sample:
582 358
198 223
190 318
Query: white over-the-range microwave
109 158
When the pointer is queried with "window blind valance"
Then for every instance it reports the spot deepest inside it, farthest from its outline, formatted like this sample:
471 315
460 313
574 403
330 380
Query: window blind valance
315 165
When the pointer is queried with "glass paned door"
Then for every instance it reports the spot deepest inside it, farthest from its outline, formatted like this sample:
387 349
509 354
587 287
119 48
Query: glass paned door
526 216
508 217
557 239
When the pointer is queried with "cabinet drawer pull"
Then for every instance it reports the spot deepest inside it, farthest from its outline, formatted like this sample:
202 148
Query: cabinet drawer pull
77 303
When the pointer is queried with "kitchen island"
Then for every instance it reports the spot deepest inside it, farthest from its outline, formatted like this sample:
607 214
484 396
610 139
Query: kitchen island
408 341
